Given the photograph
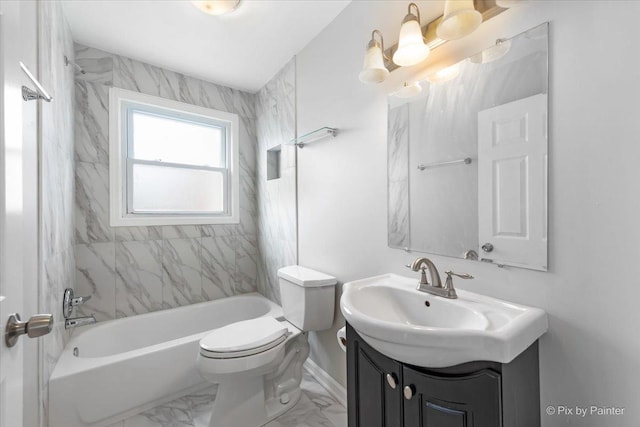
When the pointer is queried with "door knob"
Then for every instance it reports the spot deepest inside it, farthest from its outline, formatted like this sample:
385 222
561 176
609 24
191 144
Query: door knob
487 247
409 391
392 381
36 326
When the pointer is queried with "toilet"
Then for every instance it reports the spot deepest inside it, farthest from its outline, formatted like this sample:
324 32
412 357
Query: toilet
257 363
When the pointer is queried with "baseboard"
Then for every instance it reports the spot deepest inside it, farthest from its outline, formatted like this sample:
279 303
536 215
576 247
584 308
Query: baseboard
335 389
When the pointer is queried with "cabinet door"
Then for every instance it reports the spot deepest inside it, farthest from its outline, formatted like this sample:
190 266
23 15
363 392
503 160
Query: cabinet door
372 399
452 401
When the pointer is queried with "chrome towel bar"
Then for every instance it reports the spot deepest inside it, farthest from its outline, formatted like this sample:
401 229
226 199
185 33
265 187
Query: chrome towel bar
466 161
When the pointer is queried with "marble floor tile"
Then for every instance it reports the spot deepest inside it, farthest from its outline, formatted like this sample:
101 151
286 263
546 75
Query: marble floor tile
316 408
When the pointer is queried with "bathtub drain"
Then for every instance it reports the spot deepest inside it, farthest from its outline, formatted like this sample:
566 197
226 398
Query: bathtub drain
76 352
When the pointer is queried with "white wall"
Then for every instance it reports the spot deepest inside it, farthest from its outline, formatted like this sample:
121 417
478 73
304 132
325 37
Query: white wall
591 354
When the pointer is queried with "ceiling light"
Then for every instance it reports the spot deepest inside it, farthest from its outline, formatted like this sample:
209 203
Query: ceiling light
373 69
216 7
411 47
445 74
460 19
409 90
493 53
509 3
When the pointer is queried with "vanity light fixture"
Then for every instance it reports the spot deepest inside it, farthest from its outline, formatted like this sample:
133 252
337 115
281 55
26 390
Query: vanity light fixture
445 74
373 69
460 19
409 90
411 46
415 42
216 7
493 53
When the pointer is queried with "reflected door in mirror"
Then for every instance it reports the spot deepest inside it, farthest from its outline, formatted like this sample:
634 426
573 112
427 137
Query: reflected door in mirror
512 185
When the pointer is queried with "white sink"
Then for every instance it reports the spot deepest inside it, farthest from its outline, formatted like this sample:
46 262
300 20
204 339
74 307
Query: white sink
427 330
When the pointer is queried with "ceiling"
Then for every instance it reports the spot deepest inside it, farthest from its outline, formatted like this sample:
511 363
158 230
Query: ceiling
242 49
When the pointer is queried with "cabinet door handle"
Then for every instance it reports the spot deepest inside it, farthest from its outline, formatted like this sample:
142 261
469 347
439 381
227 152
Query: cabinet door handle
392 380
409 391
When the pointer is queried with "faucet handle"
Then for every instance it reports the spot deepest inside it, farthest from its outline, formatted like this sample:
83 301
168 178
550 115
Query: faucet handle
80 300
460 275
448 284
69 301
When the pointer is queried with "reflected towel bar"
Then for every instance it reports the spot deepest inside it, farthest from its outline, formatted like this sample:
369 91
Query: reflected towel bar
30 95
466 161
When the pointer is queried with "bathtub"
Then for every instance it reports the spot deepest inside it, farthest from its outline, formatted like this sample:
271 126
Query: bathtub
126 366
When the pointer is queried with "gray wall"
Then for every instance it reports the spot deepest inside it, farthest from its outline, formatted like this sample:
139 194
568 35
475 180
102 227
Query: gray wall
590 354
275 111
57 258
134 270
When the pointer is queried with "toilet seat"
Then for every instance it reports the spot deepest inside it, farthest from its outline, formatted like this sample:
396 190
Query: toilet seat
245 338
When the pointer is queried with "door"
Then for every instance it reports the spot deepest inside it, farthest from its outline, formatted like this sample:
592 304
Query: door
18 213
452 401
512 183
374 385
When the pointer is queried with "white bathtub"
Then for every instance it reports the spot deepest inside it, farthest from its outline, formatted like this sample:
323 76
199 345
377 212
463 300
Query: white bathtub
128 365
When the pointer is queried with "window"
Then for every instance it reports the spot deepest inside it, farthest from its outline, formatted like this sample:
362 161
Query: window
170 162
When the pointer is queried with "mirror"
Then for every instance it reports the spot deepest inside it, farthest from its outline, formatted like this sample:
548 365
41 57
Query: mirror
467 157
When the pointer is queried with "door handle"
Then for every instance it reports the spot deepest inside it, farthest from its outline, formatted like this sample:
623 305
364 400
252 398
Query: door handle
487 247
36 326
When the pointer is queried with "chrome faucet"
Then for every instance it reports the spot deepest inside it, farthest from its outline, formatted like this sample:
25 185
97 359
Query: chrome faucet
79 321
448 291
68 303
423 264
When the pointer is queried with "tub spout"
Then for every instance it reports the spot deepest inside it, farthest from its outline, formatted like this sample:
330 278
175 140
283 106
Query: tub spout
79 321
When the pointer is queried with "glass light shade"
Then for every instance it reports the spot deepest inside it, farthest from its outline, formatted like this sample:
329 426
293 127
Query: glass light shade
445 74
411 48
409 90
216 7
492 53
373 69
460 19
509 3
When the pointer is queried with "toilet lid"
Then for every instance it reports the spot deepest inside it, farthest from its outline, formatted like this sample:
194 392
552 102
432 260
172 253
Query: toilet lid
245 335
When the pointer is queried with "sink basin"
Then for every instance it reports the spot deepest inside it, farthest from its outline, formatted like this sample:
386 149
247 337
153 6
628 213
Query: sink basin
427 330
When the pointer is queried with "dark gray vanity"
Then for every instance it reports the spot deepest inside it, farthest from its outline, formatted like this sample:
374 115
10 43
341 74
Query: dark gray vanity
383 392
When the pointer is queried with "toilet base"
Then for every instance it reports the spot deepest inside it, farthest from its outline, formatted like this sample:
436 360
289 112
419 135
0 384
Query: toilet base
242 403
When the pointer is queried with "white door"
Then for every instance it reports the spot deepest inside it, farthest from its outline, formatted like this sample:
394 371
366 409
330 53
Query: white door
19 397
512 183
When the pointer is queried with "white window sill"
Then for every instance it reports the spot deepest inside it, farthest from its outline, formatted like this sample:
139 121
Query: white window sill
143 221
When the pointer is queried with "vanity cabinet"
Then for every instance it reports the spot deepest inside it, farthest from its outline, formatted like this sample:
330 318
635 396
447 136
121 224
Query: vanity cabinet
383 392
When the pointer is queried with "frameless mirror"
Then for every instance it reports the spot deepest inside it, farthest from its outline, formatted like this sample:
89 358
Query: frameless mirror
467 157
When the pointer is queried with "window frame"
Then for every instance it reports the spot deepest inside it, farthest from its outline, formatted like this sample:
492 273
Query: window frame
122 104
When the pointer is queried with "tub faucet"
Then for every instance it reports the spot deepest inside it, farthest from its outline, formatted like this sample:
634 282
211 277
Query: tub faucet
79 321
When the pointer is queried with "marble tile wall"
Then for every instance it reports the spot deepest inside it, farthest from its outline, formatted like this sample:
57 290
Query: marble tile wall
134 270
398 177
277 213
57 252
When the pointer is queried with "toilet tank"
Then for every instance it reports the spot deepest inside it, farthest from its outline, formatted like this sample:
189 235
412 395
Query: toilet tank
308 297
